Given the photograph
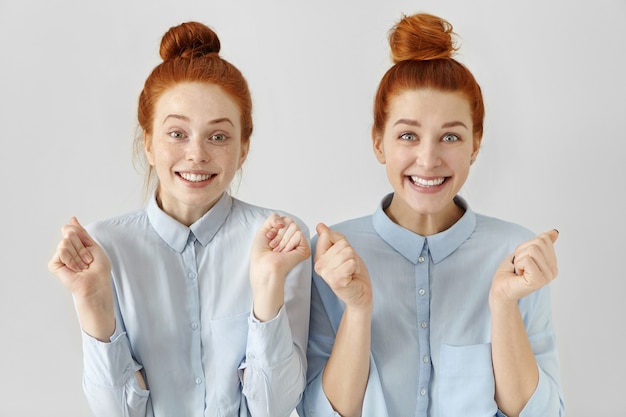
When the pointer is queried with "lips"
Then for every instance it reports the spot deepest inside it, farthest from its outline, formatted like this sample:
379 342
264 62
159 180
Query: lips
427 183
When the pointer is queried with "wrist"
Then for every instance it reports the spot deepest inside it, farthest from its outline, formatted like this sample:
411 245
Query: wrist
267 300
502 304
96 317
359 313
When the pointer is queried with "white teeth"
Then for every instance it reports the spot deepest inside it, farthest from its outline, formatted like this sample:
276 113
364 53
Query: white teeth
194 177
427 183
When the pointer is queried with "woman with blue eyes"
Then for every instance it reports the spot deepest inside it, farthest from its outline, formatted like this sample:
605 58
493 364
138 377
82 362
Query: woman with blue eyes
426 308
198 304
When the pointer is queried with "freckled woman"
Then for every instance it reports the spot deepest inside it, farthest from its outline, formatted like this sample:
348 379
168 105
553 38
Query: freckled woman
426 308
198 304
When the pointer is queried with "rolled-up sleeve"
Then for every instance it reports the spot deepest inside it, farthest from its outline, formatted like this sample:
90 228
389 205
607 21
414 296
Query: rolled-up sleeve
321 340
547 400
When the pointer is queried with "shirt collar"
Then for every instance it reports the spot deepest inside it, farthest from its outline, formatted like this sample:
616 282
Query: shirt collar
410 244
176 234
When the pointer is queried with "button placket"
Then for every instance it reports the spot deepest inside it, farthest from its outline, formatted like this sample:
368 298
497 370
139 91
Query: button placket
422 281
193 294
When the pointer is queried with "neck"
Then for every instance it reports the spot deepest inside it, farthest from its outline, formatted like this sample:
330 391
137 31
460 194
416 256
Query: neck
425 224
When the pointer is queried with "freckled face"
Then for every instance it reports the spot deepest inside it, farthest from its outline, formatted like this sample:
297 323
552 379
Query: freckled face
427 147
195 148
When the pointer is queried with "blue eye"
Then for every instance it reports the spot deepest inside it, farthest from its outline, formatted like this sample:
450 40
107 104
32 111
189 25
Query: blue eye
218 137
408 136
177 135
450 138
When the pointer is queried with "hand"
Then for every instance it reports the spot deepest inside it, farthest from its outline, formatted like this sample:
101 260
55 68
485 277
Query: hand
342 269
80 264
84 268
279 245
532 266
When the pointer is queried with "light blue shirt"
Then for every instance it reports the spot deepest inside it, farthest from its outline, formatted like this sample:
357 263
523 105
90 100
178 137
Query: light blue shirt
431 351
183 317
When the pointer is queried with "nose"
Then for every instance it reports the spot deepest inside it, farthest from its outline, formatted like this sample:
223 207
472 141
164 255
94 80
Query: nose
197 150
428 155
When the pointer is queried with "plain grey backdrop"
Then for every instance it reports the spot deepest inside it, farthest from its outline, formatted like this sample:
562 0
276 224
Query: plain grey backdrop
553 155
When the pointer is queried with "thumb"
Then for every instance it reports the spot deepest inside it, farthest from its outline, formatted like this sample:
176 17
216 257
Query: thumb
323 238
321 228
554 235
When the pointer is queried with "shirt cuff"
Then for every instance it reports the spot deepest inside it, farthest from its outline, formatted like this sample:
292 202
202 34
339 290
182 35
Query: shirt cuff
542 402
108 364
318 401
270 342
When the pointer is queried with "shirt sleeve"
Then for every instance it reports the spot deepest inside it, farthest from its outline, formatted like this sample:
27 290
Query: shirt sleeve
320 344
109 380
275 360
547 400
326 313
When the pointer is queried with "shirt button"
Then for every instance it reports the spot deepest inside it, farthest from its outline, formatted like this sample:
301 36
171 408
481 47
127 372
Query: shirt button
426 359
420 259
424 325
423 391
421 291
192 275
194 325
198 381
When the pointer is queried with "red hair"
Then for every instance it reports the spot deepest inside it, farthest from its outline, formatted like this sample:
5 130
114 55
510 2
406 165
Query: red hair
422 49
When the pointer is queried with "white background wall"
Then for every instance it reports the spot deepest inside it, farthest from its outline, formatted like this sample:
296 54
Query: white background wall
553 75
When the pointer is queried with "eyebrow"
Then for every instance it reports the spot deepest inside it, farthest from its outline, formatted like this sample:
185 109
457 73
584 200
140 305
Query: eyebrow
186 119
176 116
412 122
409 122
454 124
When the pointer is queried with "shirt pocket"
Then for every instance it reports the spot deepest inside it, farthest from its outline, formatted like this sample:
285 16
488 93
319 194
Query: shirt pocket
466 383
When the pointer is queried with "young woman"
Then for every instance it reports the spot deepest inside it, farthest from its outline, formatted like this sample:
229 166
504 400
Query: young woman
426 308
198 304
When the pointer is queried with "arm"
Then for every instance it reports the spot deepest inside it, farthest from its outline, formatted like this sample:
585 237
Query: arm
345 375
280 273
84 268
516 370
326 314
278 247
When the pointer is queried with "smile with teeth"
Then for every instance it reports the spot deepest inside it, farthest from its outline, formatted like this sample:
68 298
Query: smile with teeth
427 183
194 177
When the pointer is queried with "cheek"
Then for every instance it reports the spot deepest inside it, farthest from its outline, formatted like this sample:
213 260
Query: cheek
164 158
396 165
460 157
462 165
399 159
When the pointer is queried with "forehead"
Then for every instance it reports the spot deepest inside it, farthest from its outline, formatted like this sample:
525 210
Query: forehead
427 104
197 101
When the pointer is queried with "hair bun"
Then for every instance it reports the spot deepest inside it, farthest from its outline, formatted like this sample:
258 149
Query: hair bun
421 37
189 40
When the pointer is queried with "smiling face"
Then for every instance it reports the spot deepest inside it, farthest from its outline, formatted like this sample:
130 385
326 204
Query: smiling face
427 146
195 148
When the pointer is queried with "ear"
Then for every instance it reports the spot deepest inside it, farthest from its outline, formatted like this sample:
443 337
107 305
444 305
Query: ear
477 141
379 148
245 147
147 147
